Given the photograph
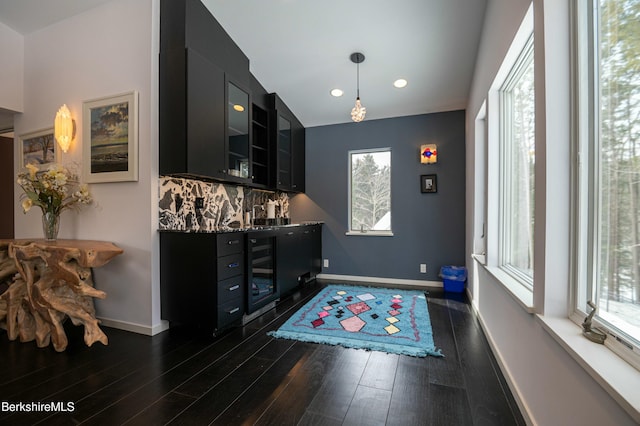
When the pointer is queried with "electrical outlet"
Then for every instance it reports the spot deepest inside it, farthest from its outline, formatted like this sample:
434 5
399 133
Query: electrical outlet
423 268
326 263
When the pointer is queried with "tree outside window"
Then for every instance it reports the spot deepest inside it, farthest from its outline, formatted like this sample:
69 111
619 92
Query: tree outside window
609 246
370 190
517 165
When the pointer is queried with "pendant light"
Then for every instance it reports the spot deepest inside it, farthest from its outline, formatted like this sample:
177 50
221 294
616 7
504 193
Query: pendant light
358 112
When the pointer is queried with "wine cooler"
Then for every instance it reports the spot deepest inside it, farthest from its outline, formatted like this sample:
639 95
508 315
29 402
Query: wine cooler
262 288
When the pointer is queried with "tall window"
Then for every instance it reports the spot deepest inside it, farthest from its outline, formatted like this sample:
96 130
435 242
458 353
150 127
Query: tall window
517 161
370 192
607 207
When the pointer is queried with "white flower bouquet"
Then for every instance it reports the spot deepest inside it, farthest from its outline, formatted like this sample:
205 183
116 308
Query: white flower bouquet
53 191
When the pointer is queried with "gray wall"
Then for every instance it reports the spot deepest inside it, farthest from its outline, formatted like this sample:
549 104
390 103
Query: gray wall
428 228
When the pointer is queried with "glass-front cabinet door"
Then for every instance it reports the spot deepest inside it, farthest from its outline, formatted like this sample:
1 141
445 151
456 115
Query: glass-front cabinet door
238 132
284 153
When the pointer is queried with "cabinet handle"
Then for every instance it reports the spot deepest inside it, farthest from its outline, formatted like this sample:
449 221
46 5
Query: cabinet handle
306 232
233 265
232 242
290 233
233 288
253 241
234 310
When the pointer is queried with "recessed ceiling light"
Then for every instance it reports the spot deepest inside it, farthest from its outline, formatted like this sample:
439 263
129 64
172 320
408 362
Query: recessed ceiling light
336 92
400 83
238 107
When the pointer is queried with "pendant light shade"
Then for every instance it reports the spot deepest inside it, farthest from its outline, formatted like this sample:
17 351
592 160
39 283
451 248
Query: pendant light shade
358 112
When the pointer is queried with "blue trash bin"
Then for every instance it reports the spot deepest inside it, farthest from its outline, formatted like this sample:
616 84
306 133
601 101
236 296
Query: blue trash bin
453 278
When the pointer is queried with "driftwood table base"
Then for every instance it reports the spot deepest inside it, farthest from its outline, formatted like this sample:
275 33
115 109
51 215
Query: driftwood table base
42 283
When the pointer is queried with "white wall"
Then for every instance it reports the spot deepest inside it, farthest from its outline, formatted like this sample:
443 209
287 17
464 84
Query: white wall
551 387
12 54
106 51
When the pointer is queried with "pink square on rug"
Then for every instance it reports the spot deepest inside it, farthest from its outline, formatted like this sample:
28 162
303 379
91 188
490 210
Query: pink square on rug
396 306
317 323
396 300
394 312
323 314
358 308
353 324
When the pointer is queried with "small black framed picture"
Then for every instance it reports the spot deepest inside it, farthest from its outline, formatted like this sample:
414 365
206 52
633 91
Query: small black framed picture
428 183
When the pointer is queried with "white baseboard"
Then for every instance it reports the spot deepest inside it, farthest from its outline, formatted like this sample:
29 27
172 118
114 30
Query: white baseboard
135 328
515 391
398 281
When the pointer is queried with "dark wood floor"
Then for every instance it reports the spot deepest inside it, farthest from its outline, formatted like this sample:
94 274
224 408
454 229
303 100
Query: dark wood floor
246 377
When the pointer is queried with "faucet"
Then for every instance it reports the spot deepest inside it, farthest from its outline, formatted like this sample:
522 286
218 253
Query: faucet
253 213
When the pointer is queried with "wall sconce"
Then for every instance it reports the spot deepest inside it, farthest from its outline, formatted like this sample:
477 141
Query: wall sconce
64 128
429 154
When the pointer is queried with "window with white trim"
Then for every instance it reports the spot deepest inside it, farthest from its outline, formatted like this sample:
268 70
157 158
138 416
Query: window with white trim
516 168
370 192
606 208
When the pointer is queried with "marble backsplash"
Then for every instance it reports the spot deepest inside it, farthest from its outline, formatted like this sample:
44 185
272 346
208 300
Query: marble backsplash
224 204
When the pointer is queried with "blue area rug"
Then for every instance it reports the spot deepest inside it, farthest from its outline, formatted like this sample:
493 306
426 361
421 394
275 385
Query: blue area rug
380 319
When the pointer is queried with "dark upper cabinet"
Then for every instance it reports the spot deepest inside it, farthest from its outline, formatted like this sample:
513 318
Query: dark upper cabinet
188 23
283 146
287 147
204 119
298 158
192 112
204 97
216 120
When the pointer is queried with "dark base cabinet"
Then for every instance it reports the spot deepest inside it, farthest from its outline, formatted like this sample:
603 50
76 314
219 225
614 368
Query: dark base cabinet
299 256
202 279
211 280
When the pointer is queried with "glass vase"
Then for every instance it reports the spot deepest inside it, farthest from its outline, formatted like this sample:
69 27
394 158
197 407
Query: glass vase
50 225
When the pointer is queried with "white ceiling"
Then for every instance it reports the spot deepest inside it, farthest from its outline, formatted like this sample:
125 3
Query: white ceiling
27 16
300 49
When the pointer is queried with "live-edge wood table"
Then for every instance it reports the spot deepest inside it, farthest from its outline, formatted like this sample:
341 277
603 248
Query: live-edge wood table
43 282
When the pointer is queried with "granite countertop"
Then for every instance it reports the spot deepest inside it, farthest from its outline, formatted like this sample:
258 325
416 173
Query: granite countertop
225 229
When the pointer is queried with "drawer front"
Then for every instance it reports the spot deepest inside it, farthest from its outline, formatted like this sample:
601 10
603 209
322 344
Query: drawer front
230 243
230 266
230 289
229 312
